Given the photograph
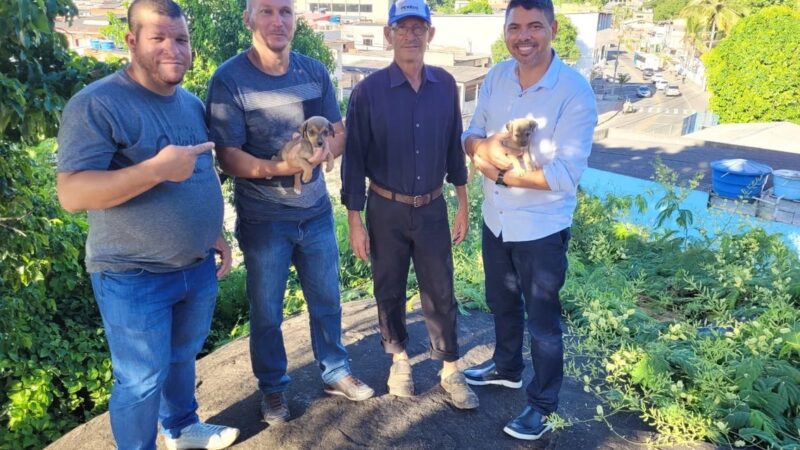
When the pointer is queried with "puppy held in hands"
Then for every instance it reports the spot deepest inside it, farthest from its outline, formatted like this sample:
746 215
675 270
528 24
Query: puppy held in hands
313 134
519 142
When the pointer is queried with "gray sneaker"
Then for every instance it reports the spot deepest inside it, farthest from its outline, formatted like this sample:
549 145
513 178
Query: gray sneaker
350 388
460 393
400 382
274 408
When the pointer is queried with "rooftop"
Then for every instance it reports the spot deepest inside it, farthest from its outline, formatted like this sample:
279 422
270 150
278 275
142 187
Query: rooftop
780 136
462 74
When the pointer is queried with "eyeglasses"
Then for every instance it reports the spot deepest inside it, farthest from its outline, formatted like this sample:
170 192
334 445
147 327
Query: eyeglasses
418 30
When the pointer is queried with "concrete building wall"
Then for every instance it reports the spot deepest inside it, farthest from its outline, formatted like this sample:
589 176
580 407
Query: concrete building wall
376 11
365 36
476 33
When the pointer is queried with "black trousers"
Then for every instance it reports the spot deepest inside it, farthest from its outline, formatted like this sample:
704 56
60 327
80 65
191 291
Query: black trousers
525 278
398 234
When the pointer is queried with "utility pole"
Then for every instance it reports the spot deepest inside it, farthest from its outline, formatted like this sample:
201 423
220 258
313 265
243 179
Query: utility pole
616 65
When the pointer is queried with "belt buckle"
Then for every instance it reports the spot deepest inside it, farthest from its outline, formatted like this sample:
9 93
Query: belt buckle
418 201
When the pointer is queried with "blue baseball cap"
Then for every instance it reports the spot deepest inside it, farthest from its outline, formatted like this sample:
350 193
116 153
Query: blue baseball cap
409 8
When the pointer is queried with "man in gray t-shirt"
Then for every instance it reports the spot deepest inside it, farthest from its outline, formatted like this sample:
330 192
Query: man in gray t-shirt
133 152
256 101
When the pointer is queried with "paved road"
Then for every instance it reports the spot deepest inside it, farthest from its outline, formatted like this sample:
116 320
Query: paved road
659 114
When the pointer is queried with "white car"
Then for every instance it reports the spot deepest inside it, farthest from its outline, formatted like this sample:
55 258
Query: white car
658 77
661 85
672 91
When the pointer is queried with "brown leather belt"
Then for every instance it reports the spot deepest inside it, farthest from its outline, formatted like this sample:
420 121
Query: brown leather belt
414 200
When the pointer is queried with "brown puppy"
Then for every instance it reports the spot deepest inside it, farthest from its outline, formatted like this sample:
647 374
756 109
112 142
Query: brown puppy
519 142
313 133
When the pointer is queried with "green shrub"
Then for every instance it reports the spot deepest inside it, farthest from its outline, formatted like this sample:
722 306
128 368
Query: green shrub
55 372
700 338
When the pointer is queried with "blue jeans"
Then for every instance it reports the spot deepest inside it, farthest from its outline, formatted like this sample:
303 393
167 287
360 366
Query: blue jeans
155 324
269 248
523 280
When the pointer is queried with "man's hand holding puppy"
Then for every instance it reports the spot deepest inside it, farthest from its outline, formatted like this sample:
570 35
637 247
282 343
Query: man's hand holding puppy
320 155
490 158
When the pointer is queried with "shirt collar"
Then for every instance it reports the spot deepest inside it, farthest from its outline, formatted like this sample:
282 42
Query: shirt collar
548 81
396 76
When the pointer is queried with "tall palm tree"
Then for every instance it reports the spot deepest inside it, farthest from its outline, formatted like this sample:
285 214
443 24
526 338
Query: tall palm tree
692 32
716 15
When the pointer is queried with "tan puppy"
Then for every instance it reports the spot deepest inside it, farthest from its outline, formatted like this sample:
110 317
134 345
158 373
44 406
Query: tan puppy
313 133
519 142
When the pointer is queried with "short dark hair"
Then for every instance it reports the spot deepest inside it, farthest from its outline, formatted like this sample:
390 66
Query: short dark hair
545 6
166 8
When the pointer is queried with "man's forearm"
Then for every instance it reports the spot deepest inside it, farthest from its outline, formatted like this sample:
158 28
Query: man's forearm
461 195
471 145
353 217
238 163
532 179
101 189
337 144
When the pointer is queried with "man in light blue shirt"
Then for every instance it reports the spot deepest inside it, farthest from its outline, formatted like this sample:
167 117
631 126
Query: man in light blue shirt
527 216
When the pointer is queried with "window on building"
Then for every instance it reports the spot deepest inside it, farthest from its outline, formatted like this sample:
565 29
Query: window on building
367 41
470 93
366 8
338 7
352 7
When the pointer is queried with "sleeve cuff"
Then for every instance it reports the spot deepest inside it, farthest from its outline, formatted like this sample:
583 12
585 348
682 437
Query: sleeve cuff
354 202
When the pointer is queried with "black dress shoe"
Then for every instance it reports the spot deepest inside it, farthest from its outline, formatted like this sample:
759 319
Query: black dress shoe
481 376
530 425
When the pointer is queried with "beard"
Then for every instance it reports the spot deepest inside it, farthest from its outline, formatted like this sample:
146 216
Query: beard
169 74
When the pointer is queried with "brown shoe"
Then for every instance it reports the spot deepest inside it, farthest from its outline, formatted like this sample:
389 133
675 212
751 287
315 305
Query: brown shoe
274 408
350 388
460 393
401 383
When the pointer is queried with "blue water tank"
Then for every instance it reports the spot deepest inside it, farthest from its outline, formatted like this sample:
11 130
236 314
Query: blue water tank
787 184
94 44
336 19
738 178
107 44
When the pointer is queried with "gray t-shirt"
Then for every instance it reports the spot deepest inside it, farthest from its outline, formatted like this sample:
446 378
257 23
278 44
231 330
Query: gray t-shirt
115 123
256 112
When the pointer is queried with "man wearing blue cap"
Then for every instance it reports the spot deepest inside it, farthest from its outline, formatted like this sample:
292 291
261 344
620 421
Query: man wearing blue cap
403 131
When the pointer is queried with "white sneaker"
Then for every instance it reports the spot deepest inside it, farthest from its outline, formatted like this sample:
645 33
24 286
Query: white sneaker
203 435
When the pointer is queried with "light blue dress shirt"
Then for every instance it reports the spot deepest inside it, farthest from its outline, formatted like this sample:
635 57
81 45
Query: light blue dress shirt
564 107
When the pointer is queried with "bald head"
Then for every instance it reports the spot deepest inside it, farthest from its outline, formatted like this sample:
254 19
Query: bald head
167 8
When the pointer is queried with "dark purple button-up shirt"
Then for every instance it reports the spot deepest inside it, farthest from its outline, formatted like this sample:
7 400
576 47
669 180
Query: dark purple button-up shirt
403 140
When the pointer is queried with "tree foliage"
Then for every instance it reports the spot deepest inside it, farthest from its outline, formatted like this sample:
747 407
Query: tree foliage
218 33
444 6
310 43
54 368
499 50
717 16
754 74
565 43
476 7
666 9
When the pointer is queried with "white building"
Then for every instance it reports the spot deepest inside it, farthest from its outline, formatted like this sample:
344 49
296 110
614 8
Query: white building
475 34
348 11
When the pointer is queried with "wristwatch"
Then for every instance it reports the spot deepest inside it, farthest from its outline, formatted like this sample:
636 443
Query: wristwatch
500 181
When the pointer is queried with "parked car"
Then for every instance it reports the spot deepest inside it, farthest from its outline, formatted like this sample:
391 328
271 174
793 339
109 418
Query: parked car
672 91
658 77
644 91
661 85
647 73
